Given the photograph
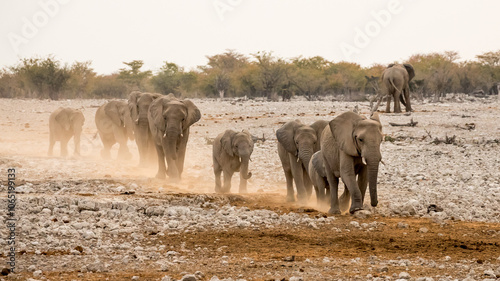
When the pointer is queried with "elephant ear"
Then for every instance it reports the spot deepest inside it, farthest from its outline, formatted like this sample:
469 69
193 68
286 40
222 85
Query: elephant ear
227 142
112 111
76 117
286 134
342 128
132 104
63 118
156 113
193 114
319 166
410 70
318 126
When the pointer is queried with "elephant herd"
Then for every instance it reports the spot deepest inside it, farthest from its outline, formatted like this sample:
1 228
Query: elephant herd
347 147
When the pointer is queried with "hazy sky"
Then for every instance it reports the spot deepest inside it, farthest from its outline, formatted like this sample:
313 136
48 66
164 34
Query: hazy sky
186 31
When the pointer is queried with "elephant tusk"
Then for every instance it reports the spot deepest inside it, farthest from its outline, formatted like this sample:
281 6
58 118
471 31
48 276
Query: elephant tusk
298 159
182 135
363 160
136 121
165 134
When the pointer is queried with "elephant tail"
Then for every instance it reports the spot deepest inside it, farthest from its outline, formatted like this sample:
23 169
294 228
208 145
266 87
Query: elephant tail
401 96
392 83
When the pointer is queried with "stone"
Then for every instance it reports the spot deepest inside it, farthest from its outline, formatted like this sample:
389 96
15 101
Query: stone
188 277
404 275
37 273
362 214
402 225
295 278
166 278
135 277
423 230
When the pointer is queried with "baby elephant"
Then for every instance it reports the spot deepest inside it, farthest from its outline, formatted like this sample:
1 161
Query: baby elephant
317 174
65 123
231 153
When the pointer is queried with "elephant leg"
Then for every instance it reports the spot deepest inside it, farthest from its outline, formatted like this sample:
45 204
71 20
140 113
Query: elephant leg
52 142
349 179
162 169
397 105
243 184
64 146
320 192
388 105
290 194
228 175
151 152
298 178
76 140
307 184
334 195
407 98
333 183
217 173
327 192
121 137
345 200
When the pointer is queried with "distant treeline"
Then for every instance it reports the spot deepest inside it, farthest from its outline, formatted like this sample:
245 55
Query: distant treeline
232 74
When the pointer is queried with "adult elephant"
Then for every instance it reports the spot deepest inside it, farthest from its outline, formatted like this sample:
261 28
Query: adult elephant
297 143
395 79
114 125
169 122
351 151
65 123
139 105
231 153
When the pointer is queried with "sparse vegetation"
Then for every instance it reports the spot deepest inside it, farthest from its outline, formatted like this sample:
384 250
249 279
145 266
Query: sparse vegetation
262 74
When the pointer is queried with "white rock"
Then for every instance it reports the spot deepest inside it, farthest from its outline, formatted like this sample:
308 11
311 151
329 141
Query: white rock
37 273
354 224
404 275
188 277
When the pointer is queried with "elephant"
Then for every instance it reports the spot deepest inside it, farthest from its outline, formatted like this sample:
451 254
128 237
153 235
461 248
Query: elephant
395 79
297 143
139 105
231 153
115 125
169 121
65 123
317 174
350 146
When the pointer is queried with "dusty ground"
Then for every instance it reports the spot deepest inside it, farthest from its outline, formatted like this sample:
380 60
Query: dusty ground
87 219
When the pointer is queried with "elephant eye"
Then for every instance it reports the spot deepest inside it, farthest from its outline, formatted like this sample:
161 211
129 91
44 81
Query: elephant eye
360 139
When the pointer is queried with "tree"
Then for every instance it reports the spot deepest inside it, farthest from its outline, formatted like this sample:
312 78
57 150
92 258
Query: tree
81 79
307 76
42 77
272 73
168 79
134 77
221 72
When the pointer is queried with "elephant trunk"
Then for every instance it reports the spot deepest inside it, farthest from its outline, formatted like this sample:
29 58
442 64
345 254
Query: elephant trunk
372 181
305 156
171 136
244 167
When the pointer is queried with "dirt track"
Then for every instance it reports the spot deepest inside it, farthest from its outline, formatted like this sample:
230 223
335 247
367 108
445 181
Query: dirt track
77 222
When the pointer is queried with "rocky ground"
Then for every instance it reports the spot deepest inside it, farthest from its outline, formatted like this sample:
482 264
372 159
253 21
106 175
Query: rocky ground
81 218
